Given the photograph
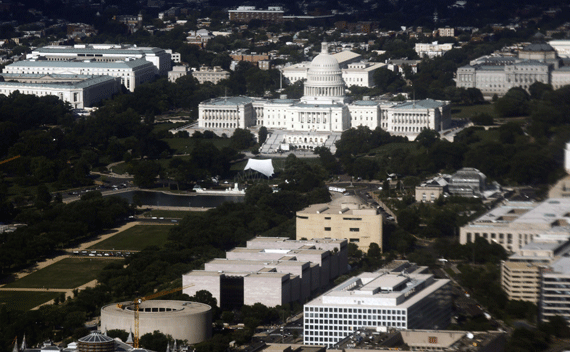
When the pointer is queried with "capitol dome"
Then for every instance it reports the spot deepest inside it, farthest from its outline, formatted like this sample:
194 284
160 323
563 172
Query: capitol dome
324 62
324 78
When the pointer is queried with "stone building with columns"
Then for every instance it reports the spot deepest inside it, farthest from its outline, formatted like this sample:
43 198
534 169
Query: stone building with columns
536 62
322 113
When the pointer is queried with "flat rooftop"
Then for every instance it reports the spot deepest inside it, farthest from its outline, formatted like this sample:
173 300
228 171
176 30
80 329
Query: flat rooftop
505 213
544 246
562 265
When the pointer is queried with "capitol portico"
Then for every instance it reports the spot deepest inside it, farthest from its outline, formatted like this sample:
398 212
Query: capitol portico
318 118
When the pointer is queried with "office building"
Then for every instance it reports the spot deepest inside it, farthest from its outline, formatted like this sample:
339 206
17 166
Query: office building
346 217
80 91
400 296
131 73
521 272
248 13
160 58
495 75
432 50
516 224
271 271
210 74
555 296
177 72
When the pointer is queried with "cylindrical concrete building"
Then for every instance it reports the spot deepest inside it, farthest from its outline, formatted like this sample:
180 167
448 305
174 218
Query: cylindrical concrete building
96 342
183 320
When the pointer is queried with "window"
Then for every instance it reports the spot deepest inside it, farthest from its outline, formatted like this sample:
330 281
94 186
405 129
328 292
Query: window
327 228
354 229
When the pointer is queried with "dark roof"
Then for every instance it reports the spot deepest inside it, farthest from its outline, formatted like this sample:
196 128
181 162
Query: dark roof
538 47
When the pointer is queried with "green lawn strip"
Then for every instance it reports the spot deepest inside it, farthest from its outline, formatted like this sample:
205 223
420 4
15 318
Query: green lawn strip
460 112
25 300
136 238
120 168
165 126
185 145
67 273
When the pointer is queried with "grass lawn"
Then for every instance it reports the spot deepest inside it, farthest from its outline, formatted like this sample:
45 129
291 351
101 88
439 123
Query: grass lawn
492 135
136 238
185 145
67 273
159 127
459 112
120 168
25 300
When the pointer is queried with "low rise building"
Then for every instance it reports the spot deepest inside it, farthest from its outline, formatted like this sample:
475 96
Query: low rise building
432 50
516 224
247 13
199 37
346 217
562 47
131 72
495 75
367 339
104 53
431 190
361 74
410 118
446 32
468 182
400 296
177 72
211 74
80 91
271 271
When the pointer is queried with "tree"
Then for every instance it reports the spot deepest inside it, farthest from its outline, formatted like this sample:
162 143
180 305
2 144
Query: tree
374 250
513 103
538 90
156 341
43 197
262 135
241 139
388 81
427 138
509 132
328 160
256 192
482 119
145 173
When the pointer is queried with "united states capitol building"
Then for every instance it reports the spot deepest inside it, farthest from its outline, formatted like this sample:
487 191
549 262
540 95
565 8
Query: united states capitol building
320 116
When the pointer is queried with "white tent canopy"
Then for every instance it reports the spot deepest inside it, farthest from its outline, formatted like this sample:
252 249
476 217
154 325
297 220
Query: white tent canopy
262 166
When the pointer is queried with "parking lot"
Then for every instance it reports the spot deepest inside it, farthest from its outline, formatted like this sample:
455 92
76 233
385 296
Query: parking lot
106 254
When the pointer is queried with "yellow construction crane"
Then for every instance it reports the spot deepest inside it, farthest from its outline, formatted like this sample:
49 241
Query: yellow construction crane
137 303
7 160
